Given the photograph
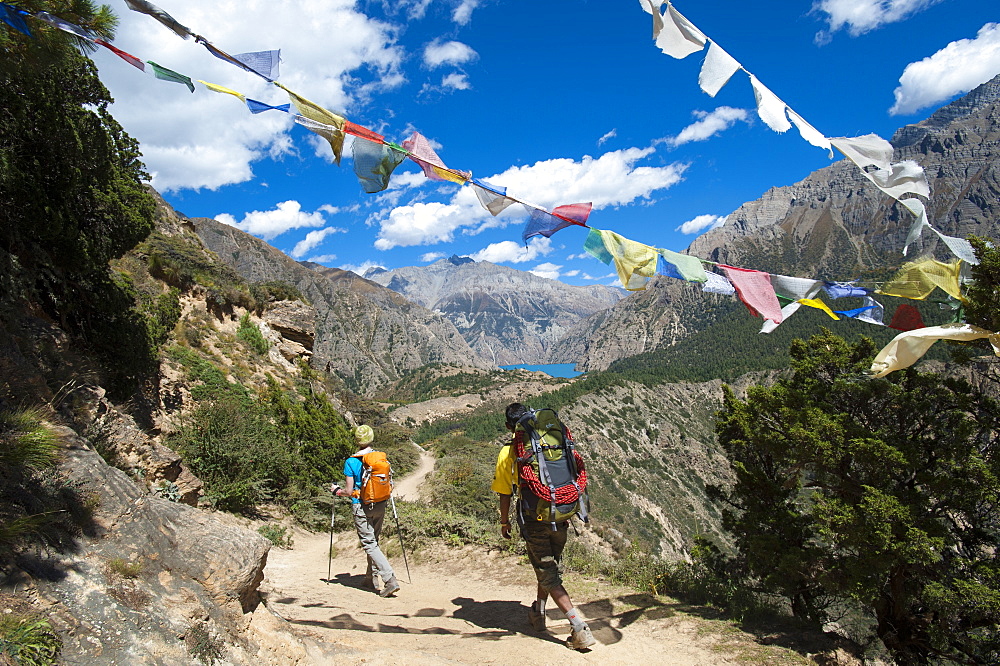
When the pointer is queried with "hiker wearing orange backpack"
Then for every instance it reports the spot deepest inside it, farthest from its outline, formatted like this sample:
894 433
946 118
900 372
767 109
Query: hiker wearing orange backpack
541 465
369 485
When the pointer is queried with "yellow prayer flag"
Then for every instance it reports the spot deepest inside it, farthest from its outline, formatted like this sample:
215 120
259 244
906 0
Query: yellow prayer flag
449 175
917 279
819 305
315 112
220 89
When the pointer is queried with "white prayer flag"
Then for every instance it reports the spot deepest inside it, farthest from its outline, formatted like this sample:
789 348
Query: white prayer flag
770 109
717 69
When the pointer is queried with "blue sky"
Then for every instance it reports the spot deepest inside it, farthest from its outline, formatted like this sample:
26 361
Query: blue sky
561 102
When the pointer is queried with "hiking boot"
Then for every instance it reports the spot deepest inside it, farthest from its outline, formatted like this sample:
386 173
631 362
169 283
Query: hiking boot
581 639
537 619
391 588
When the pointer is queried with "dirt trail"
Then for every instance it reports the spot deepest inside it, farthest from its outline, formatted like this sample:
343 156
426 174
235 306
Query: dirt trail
408 487
466 606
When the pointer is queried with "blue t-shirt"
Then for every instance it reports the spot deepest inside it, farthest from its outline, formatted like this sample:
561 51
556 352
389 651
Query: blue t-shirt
352 468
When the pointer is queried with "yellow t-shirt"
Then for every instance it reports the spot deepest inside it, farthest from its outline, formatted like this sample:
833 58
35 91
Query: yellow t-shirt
505 478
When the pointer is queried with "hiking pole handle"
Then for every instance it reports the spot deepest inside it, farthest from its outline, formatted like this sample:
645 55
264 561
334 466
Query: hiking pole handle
399 531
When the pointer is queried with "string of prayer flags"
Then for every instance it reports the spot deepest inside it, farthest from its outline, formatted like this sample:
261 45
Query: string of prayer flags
755 291
427 159
795 290
127 57
493 197
374 163
543 223
327 124
165 74
906 318
908 347
12 16
148 8
916 280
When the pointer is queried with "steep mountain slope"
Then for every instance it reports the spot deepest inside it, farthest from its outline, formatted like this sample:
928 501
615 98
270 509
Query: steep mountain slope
508 316
834 224
365 334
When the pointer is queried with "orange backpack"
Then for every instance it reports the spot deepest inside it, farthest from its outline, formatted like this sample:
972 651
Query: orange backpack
376 478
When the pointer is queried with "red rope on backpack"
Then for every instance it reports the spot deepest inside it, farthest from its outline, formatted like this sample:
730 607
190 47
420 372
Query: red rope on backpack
563 495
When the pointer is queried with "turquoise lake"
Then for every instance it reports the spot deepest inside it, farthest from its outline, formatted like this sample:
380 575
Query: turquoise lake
551 369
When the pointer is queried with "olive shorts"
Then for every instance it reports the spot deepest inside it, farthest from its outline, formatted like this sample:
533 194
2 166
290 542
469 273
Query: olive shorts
545 547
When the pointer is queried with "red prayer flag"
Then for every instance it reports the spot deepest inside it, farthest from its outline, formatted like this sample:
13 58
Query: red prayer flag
576 213
127 57
906 318
363 132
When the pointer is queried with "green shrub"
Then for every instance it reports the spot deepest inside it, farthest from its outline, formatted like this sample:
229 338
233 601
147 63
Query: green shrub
202 644
28 640
25 440
249 333
276 534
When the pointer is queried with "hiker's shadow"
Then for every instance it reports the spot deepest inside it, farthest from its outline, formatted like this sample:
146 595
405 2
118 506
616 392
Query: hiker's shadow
499 618
357 581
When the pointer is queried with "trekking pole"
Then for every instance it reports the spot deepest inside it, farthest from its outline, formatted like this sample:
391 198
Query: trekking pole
333 520
399 531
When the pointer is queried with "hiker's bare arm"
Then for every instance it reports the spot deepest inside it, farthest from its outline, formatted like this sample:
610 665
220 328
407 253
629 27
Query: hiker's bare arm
345 492
505 516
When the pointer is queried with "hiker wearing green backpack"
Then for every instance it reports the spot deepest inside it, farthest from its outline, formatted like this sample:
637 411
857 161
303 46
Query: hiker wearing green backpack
541 465
369 485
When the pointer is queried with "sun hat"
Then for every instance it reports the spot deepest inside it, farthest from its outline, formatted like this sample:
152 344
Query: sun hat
364 434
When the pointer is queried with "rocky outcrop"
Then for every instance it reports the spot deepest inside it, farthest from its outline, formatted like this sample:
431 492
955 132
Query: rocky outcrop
506 315
364 333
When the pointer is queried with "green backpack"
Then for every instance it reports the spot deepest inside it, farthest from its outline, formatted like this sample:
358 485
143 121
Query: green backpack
551 474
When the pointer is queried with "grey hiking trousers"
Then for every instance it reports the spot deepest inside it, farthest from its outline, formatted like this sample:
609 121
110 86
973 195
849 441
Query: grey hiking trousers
368 521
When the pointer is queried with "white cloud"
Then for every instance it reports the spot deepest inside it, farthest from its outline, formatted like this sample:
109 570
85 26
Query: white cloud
610 135
572 273
863 16
323 259
463 13
268 224
582 255
613 179
957 68
513 252
313 239
547 270
431 256
708 125
702 223
361 268
207 140
439 53
456 81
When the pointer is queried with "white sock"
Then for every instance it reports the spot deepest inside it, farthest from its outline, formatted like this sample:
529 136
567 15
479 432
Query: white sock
575 619
540 606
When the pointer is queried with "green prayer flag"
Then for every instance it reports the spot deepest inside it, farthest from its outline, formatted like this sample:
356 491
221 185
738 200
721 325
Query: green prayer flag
165 74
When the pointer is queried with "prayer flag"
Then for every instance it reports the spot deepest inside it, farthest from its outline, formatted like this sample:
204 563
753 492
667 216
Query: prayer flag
717 69
674 34
906 318
819 305
917 280
11 15
908 347
493 197
594 246
261 107
718 284
960 247
867 150
915 206
770 109
374 163
544 223
852 314
844 290
635 263
264 63
65 26
165 74
755 291
325 123
872 312
222 89
127 57
423 154
363 132
148 8
687 267
790 289
810 133
576 213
